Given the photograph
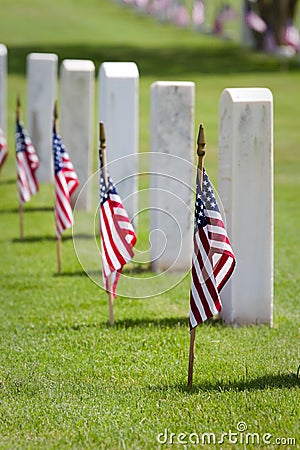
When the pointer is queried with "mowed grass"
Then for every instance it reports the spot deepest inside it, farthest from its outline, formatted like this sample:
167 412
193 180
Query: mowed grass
67 379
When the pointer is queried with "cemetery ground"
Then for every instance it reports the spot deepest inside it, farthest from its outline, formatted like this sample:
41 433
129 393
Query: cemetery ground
68 379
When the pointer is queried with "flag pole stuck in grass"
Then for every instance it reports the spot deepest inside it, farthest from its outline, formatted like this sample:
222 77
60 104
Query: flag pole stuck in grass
201 153
117 234
21 207
58 238
65 182
102 154
213 258
27 164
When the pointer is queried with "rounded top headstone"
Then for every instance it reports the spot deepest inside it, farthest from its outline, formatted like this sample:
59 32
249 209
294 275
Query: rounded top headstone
248 94
173 83
3 49
120 69
78 65
42 57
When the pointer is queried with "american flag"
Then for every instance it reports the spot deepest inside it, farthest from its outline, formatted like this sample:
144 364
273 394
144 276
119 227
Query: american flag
3 148
291 36
213 258
198 13
27 164
66 181
255 22
117 234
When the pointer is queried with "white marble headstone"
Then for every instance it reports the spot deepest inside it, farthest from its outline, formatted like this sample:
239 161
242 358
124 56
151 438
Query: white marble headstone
3 88
172 178
41 96
119 111
76 124
246 192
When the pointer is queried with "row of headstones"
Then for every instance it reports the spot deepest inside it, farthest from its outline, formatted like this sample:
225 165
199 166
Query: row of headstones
245 164
118 90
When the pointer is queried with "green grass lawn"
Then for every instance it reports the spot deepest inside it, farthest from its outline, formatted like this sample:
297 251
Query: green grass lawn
67 379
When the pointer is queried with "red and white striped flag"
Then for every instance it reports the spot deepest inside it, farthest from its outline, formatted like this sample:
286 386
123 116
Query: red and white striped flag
3 148
66 181
198 13
213 258
255 22
292 36
117 234
27 164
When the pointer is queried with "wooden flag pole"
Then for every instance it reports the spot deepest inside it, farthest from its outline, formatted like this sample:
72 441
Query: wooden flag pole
58 238
58 241
21 217
21 205
200 152
102 152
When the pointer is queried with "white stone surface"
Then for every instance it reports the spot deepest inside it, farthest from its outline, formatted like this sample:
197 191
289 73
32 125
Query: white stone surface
41 96
77 121
246 191
119 111
172 178
3 88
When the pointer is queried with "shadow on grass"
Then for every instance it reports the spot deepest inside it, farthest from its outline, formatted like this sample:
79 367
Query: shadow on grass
77 273
268 381
32 239
171 61
40 209
27 210
137 269
9 211
145 322
169 322
8 181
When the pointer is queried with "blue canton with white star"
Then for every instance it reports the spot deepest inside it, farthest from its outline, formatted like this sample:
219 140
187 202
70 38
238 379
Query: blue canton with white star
58 151
20 138
205 199
105 191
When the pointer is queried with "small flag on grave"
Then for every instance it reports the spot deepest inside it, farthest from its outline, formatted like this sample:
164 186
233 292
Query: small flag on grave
117 234
213 259
198 13
66 181
27 164
255 22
